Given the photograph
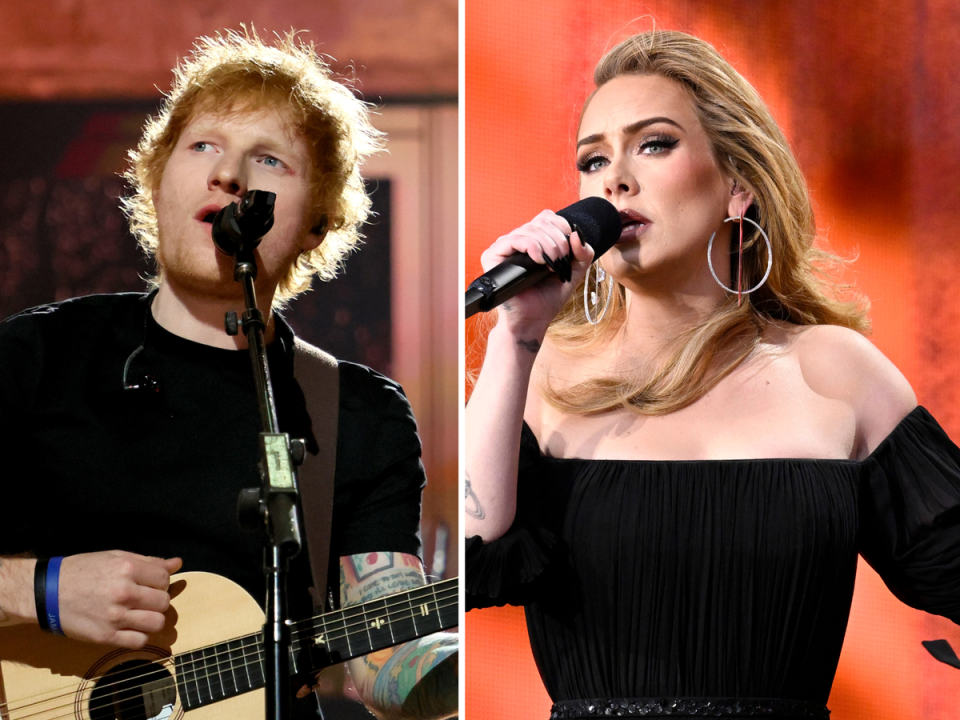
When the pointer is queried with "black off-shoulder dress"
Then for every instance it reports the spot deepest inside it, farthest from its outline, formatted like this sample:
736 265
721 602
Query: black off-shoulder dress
716 588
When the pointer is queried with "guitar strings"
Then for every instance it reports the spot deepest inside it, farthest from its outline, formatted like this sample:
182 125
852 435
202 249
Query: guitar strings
298 630
217 658
345 630
217 671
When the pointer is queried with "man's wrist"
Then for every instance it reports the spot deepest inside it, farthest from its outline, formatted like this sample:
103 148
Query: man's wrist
17 603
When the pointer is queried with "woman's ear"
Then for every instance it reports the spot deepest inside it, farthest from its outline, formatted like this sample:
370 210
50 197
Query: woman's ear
740 199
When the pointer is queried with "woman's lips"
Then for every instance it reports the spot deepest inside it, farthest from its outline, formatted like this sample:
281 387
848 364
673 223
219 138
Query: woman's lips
633 226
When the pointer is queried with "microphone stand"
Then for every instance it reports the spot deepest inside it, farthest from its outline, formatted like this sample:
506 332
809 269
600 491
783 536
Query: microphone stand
237 231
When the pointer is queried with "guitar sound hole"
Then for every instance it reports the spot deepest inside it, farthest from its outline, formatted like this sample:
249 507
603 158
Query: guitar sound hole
134 690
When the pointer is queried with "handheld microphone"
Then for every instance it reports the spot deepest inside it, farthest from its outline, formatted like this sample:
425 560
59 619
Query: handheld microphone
594 219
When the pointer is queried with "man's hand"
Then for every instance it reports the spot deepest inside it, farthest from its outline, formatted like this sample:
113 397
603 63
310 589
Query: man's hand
113 598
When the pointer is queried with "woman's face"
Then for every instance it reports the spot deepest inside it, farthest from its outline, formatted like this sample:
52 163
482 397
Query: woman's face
641 146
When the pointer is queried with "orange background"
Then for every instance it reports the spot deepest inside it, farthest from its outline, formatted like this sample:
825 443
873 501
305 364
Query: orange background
868 96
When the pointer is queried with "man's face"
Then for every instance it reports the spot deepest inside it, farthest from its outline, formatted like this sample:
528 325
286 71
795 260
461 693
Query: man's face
217 159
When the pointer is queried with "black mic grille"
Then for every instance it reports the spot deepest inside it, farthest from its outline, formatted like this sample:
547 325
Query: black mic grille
596 221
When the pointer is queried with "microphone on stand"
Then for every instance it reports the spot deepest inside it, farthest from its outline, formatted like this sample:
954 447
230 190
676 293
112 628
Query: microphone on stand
240 227
594 219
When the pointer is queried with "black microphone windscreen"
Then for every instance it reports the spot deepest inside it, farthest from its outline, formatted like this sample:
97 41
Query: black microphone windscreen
596 221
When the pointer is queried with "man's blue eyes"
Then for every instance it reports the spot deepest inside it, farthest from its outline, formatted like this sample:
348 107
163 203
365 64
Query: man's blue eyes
267 160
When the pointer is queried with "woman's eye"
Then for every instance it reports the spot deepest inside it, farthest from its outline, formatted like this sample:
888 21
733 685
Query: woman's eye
591 163
657 145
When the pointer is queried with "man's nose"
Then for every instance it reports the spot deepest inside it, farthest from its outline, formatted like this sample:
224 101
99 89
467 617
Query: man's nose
229 176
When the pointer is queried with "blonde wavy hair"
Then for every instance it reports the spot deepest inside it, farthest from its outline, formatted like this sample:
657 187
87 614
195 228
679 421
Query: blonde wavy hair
751 149
236 71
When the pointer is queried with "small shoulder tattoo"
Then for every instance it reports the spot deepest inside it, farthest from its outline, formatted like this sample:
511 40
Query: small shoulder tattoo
532 346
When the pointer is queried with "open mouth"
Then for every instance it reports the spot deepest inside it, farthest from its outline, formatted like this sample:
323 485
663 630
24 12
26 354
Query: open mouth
632 225
207 214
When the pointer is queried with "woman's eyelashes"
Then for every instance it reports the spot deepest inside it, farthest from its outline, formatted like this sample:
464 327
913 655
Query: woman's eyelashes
658 144
591 162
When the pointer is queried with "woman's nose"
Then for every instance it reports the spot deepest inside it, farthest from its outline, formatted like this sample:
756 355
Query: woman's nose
620 180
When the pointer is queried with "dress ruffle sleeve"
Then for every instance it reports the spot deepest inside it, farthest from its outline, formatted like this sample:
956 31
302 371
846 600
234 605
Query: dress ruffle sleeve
910 515
505 571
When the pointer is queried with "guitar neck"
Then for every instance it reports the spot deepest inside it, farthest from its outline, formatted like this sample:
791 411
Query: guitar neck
230 668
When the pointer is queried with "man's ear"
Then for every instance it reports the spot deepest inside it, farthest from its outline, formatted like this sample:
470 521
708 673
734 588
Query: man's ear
316 235
740 199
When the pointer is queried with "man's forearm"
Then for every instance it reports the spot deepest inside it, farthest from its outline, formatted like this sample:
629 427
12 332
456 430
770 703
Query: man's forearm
416 680
17 603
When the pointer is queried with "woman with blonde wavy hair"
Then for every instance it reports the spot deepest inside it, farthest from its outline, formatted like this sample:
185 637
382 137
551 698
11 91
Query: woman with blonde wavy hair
674 459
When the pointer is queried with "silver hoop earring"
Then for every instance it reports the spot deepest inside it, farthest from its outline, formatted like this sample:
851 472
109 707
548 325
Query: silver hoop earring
769 258
590 296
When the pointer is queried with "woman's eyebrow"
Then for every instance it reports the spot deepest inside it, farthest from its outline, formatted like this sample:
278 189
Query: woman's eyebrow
629 129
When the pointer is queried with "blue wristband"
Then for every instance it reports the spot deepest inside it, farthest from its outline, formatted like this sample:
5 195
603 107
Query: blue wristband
53 595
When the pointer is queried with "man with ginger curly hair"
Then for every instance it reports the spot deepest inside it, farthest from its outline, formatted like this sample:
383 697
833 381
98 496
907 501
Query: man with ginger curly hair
134 490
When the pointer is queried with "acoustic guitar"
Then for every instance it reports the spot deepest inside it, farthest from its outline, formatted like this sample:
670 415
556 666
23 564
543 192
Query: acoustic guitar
207 662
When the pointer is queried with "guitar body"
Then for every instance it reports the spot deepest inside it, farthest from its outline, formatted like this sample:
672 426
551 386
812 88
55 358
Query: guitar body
45 677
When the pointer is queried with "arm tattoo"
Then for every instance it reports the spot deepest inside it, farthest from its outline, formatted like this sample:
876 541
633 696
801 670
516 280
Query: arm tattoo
389 676
409 665
532 346
376 574
472 504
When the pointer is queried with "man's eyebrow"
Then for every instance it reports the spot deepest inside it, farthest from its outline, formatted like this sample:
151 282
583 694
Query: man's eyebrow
271 144
260 141
629 129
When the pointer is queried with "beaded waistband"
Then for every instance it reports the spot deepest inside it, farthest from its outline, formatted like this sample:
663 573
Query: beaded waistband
688 707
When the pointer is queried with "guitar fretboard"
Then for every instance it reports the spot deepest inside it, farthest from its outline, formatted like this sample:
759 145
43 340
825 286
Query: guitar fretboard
220 671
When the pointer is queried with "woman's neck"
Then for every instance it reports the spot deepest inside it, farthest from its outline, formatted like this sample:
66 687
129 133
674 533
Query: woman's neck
656 318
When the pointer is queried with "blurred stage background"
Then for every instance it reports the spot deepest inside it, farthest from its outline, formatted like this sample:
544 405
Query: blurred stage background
80 78
868 96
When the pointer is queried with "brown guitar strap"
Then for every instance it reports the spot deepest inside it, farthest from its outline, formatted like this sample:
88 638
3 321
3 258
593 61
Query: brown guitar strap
318 375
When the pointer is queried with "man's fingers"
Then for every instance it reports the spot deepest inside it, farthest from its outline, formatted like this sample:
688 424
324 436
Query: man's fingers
145 598
155 572
130 639
171 565
144 621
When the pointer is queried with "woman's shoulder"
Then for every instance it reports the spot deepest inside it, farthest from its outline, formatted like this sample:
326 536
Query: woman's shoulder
842 364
